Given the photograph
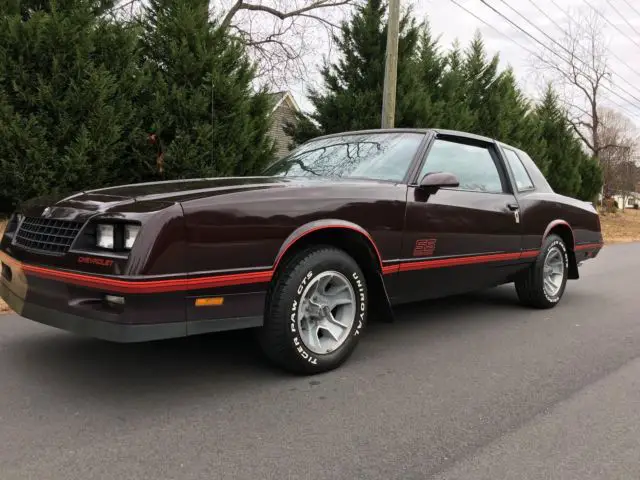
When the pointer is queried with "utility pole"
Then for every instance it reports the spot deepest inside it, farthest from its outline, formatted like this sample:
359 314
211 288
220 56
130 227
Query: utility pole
391 66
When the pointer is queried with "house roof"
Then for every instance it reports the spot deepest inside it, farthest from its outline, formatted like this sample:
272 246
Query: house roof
277 98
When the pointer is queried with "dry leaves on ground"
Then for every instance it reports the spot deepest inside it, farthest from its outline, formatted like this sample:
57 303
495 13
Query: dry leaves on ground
623 226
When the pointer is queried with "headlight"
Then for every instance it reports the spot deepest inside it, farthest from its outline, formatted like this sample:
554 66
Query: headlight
130 234
105 236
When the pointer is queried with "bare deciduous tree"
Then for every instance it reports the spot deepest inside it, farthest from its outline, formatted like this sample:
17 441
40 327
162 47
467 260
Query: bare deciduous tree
618 160
284 35
578 64
281 35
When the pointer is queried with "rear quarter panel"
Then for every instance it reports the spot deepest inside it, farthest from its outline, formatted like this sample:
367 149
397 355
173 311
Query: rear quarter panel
539 210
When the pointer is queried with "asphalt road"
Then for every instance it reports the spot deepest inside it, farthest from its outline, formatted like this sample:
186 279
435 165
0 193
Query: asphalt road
472 387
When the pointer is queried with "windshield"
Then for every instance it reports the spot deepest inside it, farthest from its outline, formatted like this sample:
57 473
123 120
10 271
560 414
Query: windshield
377 156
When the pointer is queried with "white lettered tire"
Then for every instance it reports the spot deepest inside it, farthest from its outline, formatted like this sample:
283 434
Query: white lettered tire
539 287
316 311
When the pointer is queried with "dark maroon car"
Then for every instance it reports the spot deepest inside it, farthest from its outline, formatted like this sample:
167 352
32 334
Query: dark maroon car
345 226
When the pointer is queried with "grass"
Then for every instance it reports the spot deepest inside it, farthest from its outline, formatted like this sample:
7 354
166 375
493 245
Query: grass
621 227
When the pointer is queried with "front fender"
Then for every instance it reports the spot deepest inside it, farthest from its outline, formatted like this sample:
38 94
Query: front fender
319 225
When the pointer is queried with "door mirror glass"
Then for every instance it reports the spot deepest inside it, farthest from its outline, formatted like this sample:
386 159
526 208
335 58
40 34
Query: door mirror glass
436 180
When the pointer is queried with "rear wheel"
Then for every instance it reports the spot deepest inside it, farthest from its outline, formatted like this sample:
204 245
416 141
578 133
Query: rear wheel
316 311
543 285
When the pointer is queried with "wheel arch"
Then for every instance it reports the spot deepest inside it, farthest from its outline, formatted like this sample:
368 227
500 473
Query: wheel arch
565 232
347 236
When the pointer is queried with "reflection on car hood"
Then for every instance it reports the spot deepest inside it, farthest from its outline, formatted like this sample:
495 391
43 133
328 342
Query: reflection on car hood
157 195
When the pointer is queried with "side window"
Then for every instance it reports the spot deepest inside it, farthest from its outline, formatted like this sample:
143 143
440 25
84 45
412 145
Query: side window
523 181
473 165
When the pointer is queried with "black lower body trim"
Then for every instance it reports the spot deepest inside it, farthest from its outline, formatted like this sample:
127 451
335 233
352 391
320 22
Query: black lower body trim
121 332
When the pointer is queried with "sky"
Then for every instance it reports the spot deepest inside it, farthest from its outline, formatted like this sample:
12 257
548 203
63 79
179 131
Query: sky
621 31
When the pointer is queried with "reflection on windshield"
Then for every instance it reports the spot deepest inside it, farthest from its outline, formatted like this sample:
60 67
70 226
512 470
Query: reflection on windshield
379 156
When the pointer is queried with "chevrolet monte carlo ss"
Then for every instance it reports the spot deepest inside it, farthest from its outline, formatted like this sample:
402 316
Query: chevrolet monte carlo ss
345 226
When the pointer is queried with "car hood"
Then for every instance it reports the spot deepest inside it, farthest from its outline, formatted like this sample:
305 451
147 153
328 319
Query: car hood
148 197
177 190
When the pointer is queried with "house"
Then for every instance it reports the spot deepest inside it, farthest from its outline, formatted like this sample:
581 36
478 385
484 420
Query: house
624 200
630 200
283 111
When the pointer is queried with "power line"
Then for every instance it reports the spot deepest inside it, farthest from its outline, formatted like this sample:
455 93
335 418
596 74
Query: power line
528 21
622 16
532 2
556 54
612 53
631 7
531 52
612 24
492 27
571 54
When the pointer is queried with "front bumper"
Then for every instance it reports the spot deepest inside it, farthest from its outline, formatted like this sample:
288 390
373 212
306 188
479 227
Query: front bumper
91 327
84 310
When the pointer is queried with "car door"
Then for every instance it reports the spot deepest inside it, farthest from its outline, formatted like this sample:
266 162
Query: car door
464 238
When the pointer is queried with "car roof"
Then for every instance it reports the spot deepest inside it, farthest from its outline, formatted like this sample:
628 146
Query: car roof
458 133
375 130
437 131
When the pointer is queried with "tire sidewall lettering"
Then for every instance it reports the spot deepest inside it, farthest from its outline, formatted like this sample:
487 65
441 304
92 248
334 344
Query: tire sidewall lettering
361 302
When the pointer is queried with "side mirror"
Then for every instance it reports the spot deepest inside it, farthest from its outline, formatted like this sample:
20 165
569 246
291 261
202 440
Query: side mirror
434 181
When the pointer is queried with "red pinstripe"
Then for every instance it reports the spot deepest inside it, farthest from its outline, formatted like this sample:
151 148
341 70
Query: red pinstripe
452 262
157 286
588 246
389 269
141 286
150 286
323 227
555 223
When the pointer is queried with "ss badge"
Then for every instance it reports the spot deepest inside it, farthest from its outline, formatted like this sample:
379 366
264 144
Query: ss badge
424 248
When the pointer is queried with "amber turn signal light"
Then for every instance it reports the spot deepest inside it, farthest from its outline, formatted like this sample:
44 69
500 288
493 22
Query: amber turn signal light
209 302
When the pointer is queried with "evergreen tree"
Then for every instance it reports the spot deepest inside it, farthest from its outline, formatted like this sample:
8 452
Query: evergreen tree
482 88
563 154
202 112
506 110
352 94
430 66
26 8
456 113
591 178
302 130
65 119
515 121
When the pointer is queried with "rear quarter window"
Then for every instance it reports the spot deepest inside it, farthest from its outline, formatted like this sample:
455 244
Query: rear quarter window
520 174
539 182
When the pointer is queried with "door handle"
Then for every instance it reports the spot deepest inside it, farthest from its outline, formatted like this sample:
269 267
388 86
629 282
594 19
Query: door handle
513 206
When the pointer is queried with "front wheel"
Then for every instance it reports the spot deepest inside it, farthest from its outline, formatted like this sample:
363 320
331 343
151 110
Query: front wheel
543 285
316 311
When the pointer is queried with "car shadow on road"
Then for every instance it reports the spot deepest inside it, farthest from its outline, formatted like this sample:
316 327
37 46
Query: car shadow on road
68 365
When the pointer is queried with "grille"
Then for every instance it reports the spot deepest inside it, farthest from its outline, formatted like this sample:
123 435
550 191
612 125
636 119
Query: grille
47 235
